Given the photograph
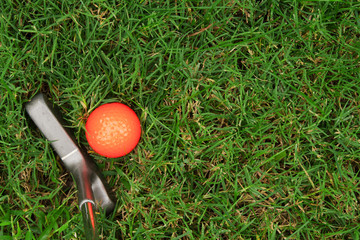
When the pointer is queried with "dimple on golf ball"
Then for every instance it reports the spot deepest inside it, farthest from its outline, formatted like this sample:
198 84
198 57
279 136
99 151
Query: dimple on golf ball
113 130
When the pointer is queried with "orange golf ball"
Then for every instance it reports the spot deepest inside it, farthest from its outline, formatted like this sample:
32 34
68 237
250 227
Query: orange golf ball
113 130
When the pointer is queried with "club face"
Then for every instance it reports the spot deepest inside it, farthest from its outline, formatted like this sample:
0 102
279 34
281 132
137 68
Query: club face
45 118
84 170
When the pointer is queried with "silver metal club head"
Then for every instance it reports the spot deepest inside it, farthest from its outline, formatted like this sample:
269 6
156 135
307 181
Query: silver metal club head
92 190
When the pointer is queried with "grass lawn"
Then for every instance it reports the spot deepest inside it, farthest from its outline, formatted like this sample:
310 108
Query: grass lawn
249 110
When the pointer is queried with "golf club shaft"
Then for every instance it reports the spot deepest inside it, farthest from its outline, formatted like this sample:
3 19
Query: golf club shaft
87 205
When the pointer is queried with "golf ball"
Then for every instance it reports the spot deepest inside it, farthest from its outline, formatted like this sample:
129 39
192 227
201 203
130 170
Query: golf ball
113 130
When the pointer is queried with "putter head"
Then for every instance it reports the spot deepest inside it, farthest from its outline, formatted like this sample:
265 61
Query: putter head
90 183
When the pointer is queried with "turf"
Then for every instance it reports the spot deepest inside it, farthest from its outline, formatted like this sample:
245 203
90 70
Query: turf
249 110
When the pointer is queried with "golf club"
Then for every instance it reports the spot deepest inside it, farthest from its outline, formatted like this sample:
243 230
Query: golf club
92 190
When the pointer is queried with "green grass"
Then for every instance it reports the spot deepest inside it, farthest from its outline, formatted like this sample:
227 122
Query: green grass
249 110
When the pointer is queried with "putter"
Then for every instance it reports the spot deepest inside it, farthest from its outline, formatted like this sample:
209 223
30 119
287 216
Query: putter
92 189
